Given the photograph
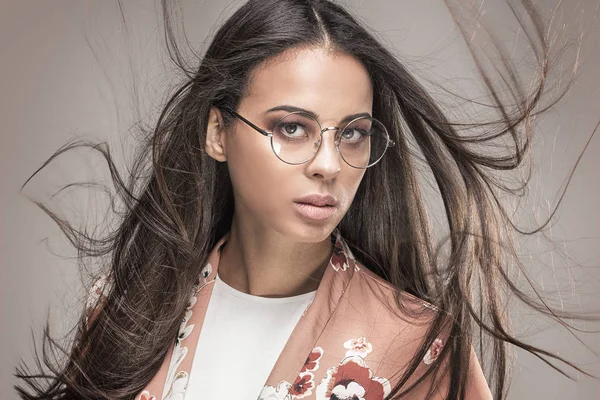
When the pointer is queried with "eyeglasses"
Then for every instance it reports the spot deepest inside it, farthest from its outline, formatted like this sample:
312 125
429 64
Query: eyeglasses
296 138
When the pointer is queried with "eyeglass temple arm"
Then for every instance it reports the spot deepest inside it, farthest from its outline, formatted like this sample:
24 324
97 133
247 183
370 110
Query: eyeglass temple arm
260 130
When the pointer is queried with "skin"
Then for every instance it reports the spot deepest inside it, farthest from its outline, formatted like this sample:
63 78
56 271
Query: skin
272 251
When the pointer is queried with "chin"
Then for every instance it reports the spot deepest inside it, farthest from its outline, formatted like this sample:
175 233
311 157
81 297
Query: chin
311 233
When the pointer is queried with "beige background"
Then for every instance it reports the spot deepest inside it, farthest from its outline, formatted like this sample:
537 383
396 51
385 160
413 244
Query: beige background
66 70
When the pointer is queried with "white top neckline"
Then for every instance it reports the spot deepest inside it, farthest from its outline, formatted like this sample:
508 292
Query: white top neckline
241 338
261 299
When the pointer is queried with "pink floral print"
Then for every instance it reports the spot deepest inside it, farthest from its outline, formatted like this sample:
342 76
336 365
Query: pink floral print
305 382
145 395
359 347
351 380
342 257
96 295
303 385
281 392
312 361
434 351
339 261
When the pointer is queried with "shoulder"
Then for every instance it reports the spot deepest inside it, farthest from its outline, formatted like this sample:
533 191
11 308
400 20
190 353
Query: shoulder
402 330
378 292
394 319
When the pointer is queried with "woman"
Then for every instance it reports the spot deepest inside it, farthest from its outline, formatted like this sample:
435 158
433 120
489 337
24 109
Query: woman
232 275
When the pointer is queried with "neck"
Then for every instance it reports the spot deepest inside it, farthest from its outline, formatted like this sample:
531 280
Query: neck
268 264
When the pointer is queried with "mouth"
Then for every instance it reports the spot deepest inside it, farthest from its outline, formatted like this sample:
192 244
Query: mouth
316 207
314 212
318 200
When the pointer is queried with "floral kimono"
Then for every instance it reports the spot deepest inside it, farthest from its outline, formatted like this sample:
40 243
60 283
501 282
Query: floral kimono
350 343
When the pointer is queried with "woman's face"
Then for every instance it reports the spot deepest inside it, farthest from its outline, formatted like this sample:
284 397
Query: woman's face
267 191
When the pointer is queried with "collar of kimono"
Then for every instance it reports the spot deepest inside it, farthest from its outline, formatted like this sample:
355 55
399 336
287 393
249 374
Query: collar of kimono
172 378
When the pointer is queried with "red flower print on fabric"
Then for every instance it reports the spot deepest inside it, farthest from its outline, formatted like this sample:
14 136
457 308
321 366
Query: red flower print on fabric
303 385
338 258
145 395
351 380
312 361
342 257
433 352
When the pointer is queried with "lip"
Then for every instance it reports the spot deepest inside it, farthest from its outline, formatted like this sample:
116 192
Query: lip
318 200
315 213
316 207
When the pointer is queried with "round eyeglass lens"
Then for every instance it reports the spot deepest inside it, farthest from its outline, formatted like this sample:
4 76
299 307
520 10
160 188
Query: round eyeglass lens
296 138
363 142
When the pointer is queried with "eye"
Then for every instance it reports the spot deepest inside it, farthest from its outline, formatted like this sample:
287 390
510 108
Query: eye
296 128
354 135
292 129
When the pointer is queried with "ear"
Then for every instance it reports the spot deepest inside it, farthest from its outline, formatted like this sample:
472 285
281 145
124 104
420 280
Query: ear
215 136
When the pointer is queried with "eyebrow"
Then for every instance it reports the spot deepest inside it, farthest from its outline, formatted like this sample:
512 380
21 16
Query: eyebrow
289 108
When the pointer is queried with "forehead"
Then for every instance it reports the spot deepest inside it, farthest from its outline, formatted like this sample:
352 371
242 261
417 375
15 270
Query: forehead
331 84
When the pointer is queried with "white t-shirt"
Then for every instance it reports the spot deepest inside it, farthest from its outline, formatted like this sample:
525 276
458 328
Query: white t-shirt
240 341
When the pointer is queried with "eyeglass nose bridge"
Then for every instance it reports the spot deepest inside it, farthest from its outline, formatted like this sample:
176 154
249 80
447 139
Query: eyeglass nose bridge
336 141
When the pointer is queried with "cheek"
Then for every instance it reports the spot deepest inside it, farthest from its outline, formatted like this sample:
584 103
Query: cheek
259 179
351 183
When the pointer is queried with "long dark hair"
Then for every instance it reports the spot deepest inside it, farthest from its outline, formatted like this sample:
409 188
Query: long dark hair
177 202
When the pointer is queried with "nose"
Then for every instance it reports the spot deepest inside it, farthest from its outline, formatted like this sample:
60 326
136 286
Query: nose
326 163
